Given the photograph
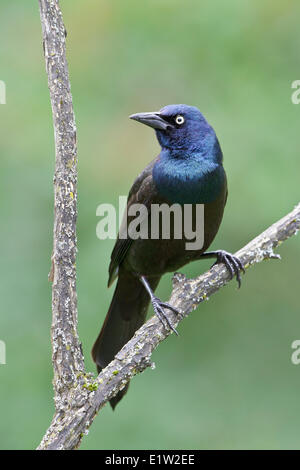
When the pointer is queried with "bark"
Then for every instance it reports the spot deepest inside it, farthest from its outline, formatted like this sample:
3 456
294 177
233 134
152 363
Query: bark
78 395
66 350
90 395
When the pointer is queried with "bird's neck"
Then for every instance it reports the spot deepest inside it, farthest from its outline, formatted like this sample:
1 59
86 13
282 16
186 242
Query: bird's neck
189 177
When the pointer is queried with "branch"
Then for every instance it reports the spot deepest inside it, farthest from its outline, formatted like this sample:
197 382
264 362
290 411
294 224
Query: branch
89 396
78 396
67 356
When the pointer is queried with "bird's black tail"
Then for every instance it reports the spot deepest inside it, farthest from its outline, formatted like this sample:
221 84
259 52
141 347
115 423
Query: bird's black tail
126 314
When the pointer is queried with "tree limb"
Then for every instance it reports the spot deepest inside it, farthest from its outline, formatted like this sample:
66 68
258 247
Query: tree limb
89 396
78 396
66 350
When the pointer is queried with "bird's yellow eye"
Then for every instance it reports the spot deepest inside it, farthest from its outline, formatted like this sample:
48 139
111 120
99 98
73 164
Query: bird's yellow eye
179 120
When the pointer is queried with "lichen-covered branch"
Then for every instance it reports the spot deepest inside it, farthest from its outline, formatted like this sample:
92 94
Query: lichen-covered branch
66 350
78 395
89 395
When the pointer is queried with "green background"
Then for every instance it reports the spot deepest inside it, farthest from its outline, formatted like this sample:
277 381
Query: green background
227 381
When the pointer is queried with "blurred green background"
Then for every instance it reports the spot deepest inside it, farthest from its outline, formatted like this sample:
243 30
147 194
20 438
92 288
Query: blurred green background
227 382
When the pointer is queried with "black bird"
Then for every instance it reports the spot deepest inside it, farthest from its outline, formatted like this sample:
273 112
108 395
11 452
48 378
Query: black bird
188 170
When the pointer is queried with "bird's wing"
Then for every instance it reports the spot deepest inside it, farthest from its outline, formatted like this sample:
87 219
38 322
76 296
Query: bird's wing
142 192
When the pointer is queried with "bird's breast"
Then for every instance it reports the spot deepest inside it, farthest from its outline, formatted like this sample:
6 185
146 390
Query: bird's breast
189 181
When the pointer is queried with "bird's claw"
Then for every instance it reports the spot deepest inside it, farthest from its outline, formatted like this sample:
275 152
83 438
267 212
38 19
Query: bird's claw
232 263
158 307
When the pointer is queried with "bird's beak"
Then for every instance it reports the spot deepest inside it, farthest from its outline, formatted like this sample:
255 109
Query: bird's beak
154 120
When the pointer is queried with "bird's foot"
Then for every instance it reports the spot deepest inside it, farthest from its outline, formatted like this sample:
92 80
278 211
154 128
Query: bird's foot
158 307
232 263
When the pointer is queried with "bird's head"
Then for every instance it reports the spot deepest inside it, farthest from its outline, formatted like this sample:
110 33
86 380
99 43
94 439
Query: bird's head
178 127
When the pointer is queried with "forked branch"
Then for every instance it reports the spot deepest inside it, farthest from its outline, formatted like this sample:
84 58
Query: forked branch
79 396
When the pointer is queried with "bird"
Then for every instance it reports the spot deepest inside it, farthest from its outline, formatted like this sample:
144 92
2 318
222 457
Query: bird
188 171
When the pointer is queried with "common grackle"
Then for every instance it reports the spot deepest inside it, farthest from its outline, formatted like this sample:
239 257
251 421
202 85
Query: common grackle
188 170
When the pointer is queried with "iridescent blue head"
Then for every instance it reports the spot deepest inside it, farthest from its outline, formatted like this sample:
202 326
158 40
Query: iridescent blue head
182 129
189 167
